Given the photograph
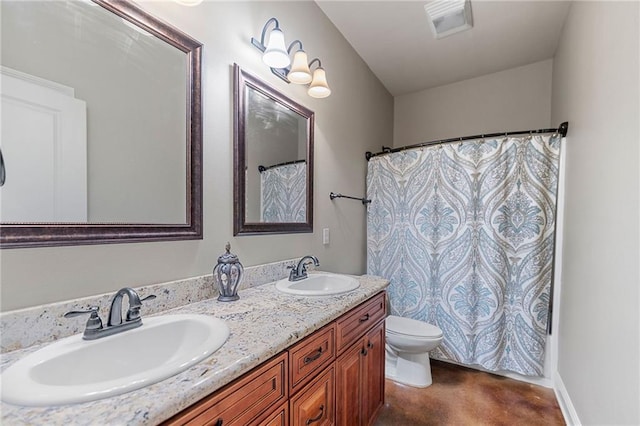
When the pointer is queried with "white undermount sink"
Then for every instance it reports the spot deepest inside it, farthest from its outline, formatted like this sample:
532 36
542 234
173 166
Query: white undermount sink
74 370
318 285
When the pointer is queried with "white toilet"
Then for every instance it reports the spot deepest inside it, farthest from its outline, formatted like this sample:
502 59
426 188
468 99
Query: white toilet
408 343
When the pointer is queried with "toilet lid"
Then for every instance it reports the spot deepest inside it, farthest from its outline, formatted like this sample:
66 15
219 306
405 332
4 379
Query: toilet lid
411 327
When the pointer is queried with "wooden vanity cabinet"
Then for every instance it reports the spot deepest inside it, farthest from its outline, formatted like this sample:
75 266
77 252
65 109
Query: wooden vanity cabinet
360 379
335 376
251 399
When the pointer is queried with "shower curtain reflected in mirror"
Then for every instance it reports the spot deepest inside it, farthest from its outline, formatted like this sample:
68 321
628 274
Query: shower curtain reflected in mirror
283 193
465 234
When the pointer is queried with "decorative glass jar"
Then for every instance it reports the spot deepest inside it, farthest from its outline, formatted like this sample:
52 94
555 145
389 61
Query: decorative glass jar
227 274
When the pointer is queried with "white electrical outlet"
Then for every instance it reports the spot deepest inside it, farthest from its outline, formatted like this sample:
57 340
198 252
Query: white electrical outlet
325 236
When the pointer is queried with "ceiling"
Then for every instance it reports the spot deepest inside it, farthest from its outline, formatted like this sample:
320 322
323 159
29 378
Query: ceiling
395 40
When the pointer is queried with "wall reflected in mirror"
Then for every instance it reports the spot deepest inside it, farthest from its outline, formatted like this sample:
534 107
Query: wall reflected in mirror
93 117
274 148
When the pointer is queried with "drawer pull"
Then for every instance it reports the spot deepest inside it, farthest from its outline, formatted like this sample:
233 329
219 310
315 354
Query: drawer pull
364 318
316 418
218 423
310 358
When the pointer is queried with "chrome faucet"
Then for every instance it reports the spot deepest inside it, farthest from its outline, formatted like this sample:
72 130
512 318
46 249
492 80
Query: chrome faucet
94 328
299 270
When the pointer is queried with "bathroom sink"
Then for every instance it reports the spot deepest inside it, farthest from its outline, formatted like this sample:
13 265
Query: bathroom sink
74 370
318 285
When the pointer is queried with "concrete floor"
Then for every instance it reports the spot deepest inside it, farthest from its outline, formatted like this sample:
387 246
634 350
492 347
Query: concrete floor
462 396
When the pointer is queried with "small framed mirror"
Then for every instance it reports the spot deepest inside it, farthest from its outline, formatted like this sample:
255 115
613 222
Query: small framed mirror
273 160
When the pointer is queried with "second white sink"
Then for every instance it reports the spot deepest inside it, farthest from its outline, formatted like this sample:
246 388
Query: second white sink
74 370
318 285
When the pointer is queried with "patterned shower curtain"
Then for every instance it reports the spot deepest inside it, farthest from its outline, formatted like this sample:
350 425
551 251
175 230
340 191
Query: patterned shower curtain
283 193
465 234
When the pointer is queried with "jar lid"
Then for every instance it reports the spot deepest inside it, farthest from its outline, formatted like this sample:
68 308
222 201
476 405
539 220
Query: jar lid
228 257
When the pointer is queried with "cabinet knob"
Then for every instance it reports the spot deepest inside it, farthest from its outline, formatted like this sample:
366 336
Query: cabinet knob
364 351
218 423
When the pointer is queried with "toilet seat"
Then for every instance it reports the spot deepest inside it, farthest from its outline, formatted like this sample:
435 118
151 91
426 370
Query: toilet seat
411 327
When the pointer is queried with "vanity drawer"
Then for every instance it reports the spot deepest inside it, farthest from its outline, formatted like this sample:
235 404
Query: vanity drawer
354 324
314 405
248 400
311 355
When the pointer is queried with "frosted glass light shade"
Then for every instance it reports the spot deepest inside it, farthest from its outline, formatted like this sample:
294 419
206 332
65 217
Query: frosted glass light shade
188 2
319 87
275 55
300 72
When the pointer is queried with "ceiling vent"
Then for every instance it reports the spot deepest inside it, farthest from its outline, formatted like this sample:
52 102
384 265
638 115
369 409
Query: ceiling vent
448 17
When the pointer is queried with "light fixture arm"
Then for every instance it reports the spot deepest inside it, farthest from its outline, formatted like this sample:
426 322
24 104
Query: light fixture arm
315 60
294 42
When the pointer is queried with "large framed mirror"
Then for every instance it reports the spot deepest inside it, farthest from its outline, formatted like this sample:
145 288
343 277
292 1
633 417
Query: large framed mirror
273 160
101 126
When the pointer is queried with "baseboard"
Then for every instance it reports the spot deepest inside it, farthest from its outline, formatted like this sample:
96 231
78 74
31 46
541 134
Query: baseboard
566 406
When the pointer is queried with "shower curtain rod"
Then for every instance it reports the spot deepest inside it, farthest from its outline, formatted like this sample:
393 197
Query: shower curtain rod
562 129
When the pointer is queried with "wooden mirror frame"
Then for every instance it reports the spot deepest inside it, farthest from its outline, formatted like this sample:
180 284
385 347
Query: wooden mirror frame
64 234
241 81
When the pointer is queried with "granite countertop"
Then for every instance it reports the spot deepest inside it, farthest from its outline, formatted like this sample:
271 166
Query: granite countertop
263 323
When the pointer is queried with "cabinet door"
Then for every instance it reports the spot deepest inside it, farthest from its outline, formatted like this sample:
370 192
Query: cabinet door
279 418
314 405
349 376
373 392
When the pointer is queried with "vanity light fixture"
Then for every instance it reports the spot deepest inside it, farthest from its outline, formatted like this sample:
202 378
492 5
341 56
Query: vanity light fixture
298 71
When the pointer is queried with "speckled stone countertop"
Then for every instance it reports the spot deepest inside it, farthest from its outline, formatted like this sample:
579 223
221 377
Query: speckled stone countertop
263 323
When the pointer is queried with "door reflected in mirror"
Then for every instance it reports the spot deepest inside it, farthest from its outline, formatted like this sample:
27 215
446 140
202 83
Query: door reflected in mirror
274 149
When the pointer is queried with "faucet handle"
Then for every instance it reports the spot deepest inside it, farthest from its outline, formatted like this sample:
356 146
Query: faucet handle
133 313
93 323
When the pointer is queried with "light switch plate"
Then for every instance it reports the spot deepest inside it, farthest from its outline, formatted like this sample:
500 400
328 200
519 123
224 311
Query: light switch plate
325 236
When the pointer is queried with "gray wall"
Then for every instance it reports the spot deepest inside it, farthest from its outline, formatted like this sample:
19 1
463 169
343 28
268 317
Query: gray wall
357 117
595 88
511 100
